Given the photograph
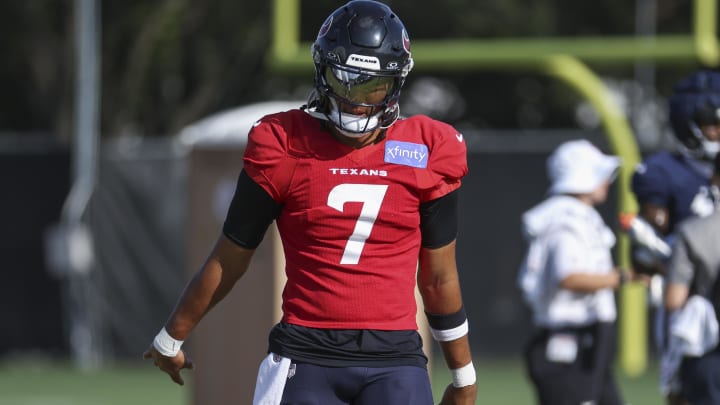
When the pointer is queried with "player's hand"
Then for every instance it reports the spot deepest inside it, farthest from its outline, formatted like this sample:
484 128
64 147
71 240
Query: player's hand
630 275
459 396
170 365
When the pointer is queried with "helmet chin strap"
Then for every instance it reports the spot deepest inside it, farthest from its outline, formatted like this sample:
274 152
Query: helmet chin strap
354 135
325 117
707 149
353 126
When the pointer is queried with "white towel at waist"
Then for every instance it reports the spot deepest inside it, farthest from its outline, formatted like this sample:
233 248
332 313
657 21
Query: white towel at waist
693 332
271 379
695 327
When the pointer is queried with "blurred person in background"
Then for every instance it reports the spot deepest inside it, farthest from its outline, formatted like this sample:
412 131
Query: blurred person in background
360 197
690 366
568 280
672 186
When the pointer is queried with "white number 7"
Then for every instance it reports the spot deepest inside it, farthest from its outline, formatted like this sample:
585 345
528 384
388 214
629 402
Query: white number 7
371 196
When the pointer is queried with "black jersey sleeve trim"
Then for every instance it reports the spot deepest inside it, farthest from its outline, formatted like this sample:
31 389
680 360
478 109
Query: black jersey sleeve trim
438 220
251 212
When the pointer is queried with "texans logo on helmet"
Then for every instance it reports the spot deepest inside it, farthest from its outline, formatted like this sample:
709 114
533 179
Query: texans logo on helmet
325 27
406 41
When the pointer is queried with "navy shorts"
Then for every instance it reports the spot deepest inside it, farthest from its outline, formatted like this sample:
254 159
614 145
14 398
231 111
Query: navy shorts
318 385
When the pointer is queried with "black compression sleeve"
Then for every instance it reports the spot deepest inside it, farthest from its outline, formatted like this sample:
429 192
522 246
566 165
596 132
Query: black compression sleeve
251 212
438 220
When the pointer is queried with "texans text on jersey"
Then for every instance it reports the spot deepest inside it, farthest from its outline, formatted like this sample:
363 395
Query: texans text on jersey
358 172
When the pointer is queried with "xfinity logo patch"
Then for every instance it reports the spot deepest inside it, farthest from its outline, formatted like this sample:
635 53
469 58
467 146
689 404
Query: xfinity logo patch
406 153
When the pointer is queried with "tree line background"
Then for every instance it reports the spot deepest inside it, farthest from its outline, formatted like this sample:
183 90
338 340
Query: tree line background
167 63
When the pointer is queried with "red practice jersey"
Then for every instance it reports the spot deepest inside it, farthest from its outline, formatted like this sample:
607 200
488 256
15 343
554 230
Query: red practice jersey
350 222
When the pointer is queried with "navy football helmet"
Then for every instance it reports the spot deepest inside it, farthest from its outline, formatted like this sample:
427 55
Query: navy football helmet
362 57
695 102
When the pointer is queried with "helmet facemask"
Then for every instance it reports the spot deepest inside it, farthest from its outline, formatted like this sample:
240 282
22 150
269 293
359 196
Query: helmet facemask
702 148
358 101
695 105
707 115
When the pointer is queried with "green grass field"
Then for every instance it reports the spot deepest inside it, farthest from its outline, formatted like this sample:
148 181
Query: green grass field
51 383
54 383
504 383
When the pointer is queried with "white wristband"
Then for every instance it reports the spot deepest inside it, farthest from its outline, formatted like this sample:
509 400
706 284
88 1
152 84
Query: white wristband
463 376
166 344
448 335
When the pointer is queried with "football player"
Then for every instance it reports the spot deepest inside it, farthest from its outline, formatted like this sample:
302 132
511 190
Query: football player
690 367
366 205
672 186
